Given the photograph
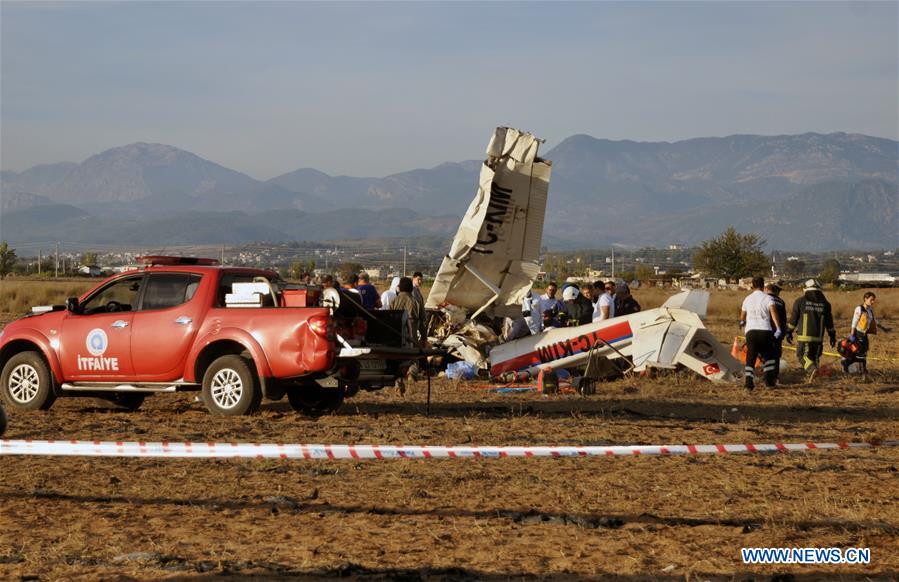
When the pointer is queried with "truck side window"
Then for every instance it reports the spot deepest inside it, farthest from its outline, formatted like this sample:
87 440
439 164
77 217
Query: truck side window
120 295
225 283
169 290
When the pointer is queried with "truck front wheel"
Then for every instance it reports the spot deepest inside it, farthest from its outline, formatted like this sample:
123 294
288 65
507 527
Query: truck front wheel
230 387
27 383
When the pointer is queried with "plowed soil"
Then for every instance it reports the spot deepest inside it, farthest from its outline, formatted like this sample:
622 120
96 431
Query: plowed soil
638 518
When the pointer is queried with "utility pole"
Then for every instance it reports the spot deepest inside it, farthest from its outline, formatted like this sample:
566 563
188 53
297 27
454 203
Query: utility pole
223 255
39 259
613 262
56 273
404 261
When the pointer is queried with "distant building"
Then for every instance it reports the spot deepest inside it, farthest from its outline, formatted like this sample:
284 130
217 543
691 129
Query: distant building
697 281
867 279
90 270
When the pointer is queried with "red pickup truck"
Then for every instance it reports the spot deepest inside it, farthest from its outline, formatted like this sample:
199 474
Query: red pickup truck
237 334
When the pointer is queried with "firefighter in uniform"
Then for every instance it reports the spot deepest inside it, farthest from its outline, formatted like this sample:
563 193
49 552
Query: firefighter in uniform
773 289
811 317
759 318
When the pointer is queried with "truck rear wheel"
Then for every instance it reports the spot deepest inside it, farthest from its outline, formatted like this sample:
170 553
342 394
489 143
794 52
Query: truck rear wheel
230 387
313 400
27 383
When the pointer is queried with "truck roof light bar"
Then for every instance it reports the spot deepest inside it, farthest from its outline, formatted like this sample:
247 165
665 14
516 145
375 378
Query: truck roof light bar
149 260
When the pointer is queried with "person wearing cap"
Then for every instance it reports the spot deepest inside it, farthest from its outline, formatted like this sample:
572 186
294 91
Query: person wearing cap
578 311
811 317
773 289
758 318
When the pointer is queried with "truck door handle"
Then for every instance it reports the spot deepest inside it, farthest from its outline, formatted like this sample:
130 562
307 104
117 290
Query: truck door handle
183 320
120 324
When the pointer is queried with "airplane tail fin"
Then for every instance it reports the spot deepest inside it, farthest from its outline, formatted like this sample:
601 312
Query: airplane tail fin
694 300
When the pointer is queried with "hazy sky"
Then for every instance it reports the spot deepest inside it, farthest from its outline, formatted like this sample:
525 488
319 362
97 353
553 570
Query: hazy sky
374 88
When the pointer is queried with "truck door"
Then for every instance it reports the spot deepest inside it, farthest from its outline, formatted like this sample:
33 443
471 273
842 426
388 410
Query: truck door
95 343
166 324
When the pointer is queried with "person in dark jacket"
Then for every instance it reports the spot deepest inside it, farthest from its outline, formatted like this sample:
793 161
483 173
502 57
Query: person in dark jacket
810 319
406 301
773 289
578 309
625 304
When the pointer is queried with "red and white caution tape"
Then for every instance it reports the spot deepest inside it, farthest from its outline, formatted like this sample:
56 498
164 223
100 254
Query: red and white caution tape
173 450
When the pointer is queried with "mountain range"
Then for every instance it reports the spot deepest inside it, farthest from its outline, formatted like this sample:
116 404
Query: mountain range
800 192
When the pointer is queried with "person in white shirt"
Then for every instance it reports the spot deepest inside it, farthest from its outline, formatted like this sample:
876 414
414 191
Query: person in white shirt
529 307
548 306
390 294
605 305
759 319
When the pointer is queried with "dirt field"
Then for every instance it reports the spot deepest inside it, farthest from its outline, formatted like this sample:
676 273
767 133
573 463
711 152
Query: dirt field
638 518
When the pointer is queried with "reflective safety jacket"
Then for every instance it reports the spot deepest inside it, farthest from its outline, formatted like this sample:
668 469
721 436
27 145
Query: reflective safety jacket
811 317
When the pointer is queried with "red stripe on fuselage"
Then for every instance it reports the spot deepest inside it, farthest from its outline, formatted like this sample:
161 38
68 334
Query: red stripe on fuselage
580 343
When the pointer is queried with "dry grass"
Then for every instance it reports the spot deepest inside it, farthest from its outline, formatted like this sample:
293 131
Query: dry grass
672 518
727 303
19 296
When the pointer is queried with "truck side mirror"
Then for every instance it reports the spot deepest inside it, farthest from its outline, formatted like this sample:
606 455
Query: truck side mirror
72 305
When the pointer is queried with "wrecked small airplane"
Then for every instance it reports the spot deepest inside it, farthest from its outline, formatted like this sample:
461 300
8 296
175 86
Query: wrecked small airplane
663 338
492 264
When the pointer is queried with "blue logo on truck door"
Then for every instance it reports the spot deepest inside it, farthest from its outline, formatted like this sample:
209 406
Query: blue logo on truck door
96 343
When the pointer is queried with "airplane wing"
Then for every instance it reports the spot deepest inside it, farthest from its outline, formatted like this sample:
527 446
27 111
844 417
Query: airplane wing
492 262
